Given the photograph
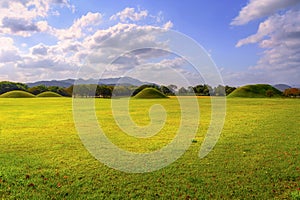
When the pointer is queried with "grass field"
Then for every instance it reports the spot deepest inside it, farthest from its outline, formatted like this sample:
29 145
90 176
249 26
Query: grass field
257 156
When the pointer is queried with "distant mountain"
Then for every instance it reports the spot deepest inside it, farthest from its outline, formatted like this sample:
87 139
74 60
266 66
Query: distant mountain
61 83
296 86
107 81
281 87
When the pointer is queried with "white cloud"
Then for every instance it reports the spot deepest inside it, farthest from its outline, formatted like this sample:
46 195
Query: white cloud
43 26
261 8
168 25
175 63
149 53
18 26
7 43
40 49
82 43
166 71
8 52
25 17
130 14
9 56
8 72
252 76
123 36
79 26
279 36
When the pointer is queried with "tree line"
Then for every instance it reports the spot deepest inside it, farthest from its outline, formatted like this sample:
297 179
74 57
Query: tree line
108 91
7 86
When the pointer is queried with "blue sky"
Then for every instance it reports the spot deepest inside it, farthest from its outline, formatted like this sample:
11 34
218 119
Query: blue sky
254 41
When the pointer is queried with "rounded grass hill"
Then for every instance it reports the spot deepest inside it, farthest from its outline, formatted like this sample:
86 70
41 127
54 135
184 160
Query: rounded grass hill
48 94
256 91
150 93
17 94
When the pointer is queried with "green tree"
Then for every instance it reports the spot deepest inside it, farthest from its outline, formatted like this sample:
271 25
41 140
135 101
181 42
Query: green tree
6 86
269 93
219 91
38 89
173 88
166 91
203 90
182 91
121 90
69 91
229 89
104 91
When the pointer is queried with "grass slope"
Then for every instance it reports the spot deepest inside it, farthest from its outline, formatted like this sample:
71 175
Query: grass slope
255 91
17 94
48 94
256 157
150 93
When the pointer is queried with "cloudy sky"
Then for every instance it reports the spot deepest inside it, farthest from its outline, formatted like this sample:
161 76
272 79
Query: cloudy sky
254 41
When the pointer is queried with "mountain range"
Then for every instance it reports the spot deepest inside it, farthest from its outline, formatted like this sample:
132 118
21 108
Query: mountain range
106 81
281 87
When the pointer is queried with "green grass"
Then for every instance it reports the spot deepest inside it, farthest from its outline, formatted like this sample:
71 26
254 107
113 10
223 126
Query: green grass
255 91
17 94
150 93
48 94
257 156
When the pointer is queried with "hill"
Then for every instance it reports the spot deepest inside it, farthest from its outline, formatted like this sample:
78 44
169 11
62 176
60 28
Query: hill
17 94
281 87
150 93
48 94
256 91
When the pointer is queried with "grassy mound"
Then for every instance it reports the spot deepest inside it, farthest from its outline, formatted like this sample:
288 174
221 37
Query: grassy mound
48 94
256 91
17 94
150 93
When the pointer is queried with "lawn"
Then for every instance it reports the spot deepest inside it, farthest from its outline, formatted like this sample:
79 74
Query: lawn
256 157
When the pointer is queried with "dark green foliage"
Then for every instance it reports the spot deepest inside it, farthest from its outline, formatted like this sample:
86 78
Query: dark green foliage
203 90
59 90
172 88
167 91
229 89
150 93
69 91
219 91
38 89
182 91
48 94
269 93
42 88
223 91
17 94
121 90
104 91
6 86
84 90
256 91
